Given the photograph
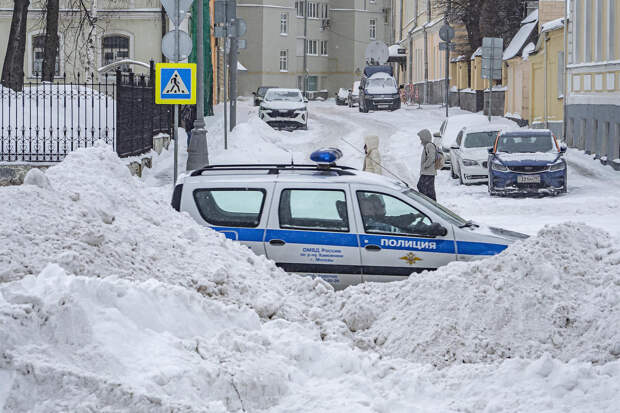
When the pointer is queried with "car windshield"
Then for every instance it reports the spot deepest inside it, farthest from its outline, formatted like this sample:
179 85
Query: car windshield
356 88
438 209
480 139
285 95
382 82
525 144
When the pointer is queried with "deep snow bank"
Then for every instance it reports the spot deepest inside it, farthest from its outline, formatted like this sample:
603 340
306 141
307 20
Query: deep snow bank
556 293
93 218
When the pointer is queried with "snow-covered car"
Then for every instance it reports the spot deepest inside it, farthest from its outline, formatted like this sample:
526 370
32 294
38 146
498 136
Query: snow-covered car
354 94
284 109
379 91
334 222
470 153
342 96
259 95
528 161
450 128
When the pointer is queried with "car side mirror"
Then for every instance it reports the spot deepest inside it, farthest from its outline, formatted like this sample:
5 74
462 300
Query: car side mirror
254 93
490 150
563 148
437 135
437 229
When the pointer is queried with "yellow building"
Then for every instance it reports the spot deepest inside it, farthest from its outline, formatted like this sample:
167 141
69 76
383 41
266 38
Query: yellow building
546 78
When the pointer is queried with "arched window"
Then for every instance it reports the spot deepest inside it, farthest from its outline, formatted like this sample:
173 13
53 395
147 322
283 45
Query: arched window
114 48
38 47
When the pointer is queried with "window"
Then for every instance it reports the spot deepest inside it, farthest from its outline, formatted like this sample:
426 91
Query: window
611 29
386 214
313 10
313 83
38 47
598 40
299 6
312 47
587 32
324 10
115 48
230 207
283 23
283 60
323 47
322 210
373 29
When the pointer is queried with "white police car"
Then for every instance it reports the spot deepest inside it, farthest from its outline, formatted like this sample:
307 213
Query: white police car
333 222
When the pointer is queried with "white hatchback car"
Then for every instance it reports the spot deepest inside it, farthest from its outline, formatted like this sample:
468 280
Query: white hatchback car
284 109
469 154
333 222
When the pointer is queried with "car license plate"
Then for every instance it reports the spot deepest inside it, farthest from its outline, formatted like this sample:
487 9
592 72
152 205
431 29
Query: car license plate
528 179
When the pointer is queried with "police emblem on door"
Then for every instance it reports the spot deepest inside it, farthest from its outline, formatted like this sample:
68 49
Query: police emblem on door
410 258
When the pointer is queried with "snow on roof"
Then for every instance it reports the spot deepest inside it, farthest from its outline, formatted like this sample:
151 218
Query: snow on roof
553 25
240 67
531 18
393 49
517 42
478 52
458 59
528 50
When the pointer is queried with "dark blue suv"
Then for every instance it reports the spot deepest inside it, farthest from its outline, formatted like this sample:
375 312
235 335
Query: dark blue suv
528 161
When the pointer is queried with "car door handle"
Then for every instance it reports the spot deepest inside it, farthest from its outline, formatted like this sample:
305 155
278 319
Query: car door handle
276 242
372 247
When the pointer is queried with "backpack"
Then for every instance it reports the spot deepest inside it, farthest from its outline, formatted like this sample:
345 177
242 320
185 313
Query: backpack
440 159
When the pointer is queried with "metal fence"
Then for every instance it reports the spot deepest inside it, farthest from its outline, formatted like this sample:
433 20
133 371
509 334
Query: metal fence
45 121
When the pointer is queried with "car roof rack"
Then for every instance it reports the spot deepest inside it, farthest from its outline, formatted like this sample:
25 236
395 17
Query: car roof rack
274 169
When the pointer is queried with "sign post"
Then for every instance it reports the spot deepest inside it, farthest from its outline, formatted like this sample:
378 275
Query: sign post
492 50
446 33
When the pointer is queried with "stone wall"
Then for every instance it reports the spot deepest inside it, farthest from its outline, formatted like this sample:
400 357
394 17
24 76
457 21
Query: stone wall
497 103
472 101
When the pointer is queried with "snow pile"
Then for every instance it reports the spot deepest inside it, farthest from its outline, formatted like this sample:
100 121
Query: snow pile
91 217
557 294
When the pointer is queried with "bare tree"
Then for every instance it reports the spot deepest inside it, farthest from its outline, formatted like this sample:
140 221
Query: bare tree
468 13
50 50
13 68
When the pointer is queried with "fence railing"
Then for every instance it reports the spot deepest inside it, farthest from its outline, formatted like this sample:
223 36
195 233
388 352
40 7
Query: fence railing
46 121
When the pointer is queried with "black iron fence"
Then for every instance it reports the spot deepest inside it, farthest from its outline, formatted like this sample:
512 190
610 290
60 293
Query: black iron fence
46 121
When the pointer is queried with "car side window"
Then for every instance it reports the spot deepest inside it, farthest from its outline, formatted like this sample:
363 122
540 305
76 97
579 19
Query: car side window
383 213
230 207
314 209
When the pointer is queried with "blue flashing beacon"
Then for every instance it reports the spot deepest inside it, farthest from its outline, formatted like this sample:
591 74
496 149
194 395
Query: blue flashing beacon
326 156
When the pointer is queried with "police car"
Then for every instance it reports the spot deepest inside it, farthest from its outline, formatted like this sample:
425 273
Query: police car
334 222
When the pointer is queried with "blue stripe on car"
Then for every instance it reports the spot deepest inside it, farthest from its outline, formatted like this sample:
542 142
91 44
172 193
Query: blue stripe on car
479 248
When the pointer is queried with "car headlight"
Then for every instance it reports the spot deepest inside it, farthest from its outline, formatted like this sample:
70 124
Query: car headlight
469 162
496 166
560 166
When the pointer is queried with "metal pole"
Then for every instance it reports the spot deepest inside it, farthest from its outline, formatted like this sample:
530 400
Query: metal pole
175 130
305 77
198 155
490 94
233 66
448 62
225 96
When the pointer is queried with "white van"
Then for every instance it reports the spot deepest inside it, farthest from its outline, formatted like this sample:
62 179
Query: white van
333 222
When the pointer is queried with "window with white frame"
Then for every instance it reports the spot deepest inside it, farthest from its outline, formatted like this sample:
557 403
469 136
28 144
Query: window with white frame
323 47
283 60
38 47
313 10
373 29
324 10
312 47
299 6
283 23
114 48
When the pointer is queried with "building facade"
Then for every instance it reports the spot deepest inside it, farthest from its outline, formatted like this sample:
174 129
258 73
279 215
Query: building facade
338 32
593 78
104 32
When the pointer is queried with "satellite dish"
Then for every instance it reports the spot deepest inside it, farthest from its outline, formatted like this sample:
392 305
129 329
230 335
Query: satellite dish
377 53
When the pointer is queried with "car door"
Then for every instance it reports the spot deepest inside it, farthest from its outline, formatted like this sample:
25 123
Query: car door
239 212
395 241
311 231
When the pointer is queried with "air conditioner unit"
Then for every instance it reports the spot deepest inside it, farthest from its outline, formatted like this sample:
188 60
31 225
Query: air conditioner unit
324 24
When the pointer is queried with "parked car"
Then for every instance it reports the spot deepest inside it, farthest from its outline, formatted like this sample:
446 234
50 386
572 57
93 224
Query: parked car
528 161
259 95
469 154
446 136
354 94
342 96
378 89
284 109
334 222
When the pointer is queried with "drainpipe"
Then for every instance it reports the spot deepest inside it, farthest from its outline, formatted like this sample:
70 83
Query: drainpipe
546 118
428 20
565 74
400 32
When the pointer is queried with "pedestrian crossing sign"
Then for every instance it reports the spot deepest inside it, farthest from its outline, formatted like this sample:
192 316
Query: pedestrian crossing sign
175 83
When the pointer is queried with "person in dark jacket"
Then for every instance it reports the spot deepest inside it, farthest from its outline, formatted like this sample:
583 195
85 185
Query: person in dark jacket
426 183
189 116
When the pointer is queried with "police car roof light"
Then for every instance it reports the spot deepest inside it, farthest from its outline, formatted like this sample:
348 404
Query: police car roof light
272 169
326 156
